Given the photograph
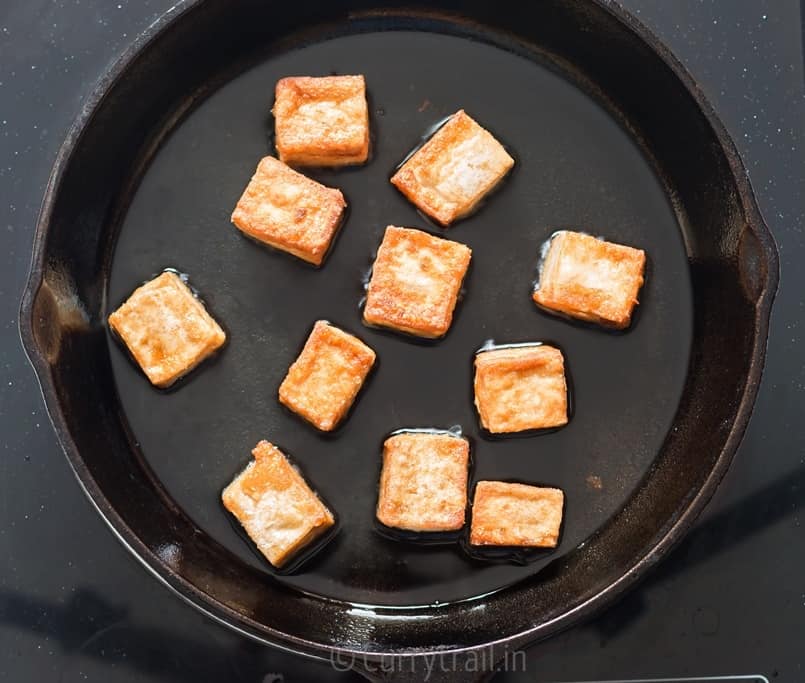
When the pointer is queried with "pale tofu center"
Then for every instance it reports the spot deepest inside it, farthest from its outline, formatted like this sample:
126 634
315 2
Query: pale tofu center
466 170
335 120
525 519
526 397
276 520
282 204
433 495
330 385
172 338
596 274
422 274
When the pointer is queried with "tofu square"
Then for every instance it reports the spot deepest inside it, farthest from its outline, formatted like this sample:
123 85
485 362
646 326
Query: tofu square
423 483
454 170
590 279
415 283
275 506
321 121
505 514
166 328
290 212
520 387
324 380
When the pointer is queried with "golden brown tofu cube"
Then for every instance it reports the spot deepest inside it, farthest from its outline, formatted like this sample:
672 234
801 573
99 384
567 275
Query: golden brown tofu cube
520 387
322 121
166 328
275 505
286 210
454 170
324 381
416 279
423 483
590 279
516 515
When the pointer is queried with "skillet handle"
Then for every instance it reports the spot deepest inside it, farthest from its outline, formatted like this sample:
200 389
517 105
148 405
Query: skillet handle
755 260
471 666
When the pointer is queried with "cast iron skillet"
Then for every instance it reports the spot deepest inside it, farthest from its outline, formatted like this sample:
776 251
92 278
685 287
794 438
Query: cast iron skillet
611 135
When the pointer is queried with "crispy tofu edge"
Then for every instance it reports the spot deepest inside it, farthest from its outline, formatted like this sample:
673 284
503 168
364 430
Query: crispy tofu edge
216 339
332 197
373 316
484 363
406 182
385 499
317 333
486 489
336 155
550 303
324 522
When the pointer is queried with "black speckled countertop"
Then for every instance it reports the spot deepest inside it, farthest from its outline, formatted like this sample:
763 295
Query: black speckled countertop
75 606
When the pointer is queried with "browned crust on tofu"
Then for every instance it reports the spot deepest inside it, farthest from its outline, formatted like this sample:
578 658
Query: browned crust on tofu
324 380
288 211
505 514
423 483
591 279
520 388
321 121
275 505
454 170
416 279
166 328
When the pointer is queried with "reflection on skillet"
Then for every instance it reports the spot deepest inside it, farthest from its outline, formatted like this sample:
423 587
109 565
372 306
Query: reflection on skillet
735 524
89 625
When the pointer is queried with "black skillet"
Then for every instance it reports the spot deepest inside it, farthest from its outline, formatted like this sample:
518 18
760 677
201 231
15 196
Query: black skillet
610 134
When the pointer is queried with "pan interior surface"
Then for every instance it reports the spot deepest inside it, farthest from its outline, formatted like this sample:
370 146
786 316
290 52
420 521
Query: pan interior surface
576 167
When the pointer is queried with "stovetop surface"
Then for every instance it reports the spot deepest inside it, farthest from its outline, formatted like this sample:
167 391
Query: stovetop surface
75 606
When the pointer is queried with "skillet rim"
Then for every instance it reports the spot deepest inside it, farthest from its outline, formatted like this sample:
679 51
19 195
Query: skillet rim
208 605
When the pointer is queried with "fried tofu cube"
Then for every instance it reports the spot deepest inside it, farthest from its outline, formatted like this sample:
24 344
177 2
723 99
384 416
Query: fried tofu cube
415 283
322 121
520 387
290 212
454 170
423 483
275 505
166 328
324 380
587 278
516 515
